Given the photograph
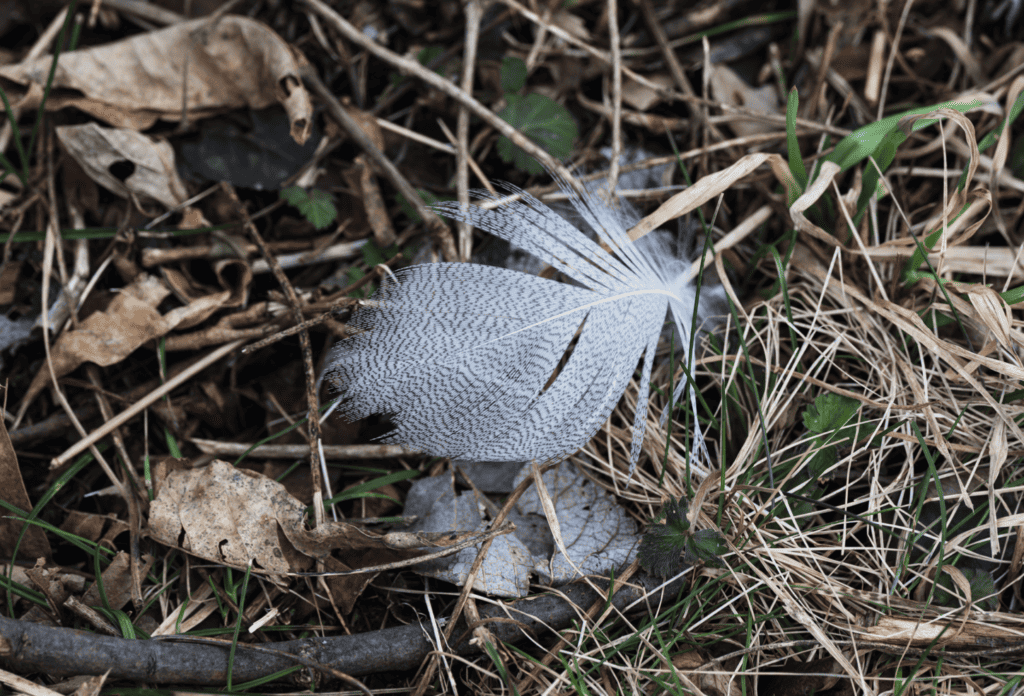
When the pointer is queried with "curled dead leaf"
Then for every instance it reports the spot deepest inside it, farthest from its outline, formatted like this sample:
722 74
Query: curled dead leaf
231 63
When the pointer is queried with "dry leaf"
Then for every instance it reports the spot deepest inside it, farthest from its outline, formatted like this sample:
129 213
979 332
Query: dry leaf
90 526
92 685
231 63
9 273
729 88
228 515
49 582
376 211
234 516
641 97
34 544
107 337
126 162
117 582
506 568
719 680
571 23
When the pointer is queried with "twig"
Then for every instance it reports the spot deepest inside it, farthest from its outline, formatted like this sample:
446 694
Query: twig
412 67
331 452
142 404
434 223
613 38
30 647
473 16
312 404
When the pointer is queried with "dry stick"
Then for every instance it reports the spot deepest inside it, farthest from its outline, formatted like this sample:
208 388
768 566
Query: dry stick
675 67
142 404
331 452
473 16
133 492
411 67
437 228
613 37
307 354
472 163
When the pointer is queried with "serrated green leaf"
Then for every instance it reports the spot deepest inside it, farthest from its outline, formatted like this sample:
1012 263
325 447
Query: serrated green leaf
829 413
320 210
294 195
661 551
513 74
821 461
667 549
371 254
544 121
675 515
316 206
708 545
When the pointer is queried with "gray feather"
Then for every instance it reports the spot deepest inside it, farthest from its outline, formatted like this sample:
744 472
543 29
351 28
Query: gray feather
459 354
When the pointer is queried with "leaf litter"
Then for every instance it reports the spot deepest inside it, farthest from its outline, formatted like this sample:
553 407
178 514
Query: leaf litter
848 308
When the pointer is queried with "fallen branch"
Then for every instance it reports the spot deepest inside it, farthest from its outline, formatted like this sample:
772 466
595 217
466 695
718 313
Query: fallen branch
28 647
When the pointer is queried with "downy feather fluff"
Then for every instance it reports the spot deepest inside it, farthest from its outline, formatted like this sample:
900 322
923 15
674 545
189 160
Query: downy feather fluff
459 354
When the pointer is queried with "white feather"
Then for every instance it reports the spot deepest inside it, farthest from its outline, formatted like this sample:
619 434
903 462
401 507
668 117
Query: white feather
459 354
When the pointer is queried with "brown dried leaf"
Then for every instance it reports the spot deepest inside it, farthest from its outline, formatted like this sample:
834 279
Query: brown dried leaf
107 337
228 515
117 582
231 63
234 516
92 686
729 88
719 680
100 150
34 544
641 97
9 274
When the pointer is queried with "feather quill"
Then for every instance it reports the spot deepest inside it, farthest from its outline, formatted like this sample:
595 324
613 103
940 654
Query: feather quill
460 355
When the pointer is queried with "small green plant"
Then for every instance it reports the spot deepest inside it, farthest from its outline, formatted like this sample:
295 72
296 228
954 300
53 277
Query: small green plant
669 548
315 205
983 588
546 122
374 256
831 421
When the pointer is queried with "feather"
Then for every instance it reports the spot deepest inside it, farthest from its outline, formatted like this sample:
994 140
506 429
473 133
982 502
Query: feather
461 355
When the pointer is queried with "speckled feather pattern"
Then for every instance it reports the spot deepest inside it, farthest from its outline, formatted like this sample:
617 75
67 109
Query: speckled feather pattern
459 354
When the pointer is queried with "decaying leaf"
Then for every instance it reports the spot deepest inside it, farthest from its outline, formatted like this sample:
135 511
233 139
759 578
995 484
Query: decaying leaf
105 338
117 583
595 530
598 534
34 544
126 162
228 515
231 63
234 516
506 568
729 88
